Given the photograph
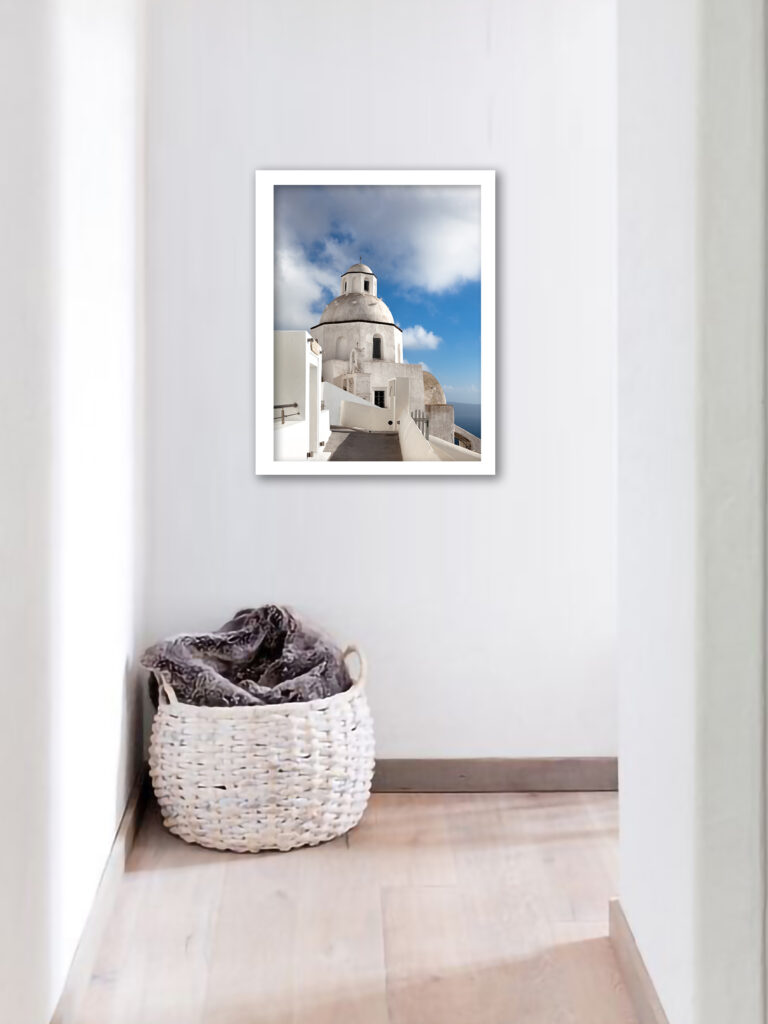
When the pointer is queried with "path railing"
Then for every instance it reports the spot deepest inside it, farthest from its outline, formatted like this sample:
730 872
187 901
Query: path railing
422 422
282 416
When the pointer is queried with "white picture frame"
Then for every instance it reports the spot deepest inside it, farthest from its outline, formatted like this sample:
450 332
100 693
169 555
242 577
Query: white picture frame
264 430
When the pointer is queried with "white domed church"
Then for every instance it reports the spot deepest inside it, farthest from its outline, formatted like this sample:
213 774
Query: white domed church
362 351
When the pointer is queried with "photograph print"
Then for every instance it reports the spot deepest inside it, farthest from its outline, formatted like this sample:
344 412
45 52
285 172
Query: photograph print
375 322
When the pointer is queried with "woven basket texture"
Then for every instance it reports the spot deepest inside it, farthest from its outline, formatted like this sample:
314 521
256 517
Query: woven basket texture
272 777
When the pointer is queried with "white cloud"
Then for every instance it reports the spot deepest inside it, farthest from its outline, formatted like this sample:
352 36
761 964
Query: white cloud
419 239
419 337
302 290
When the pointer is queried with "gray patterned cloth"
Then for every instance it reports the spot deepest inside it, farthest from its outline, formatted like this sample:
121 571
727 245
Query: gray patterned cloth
261 656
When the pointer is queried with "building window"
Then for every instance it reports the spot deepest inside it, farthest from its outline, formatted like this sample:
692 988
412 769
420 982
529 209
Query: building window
377 348
366 284
345 286
378 399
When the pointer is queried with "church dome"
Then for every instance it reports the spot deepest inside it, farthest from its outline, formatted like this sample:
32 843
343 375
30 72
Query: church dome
433 392
357 306
358 268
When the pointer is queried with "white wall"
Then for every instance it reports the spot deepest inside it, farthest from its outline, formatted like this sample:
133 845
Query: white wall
70 304
333 397
505 645
26 316
364 416
691 512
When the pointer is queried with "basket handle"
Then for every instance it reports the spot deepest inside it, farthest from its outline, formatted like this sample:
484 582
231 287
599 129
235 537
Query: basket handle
351 649
164 689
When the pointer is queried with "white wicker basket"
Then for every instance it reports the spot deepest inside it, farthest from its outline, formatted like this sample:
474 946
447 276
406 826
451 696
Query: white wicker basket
271 777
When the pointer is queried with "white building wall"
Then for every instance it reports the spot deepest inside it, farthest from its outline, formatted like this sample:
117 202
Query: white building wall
355 282
292 440
334 370
375 374
413 445
339 340
304 428
440 421
381 373
449 452
291 370
333 397
362 416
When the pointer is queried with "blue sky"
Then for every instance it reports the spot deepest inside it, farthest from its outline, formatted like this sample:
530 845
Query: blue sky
423 244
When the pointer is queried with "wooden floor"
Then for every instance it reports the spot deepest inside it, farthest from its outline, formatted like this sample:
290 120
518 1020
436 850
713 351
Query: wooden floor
437 909
348 445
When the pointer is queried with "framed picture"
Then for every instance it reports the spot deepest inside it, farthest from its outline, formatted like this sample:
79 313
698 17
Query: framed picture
374 322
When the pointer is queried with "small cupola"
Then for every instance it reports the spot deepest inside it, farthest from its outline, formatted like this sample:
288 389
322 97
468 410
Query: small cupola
359 278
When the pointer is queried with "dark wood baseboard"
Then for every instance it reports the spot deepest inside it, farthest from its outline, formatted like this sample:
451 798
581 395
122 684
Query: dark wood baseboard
637 980
496 775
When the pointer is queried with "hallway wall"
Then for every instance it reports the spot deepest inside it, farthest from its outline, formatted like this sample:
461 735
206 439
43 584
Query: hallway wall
691 482
504 644
26 315
70 465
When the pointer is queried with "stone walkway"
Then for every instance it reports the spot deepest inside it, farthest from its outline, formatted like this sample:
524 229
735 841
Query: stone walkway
348 445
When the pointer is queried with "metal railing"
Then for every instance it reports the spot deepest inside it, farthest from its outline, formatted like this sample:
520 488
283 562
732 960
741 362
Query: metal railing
422 422
287 405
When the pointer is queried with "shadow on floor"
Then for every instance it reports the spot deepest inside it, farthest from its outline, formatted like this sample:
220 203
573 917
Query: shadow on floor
573 983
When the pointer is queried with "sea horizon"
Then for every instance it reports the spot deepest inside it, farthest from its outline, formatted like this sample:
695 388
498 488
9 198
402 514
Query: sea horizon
468 416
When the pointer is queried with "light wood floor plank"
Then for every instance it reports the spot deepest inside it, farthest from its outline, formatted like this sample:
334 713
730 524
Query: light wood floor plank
405 841
450 908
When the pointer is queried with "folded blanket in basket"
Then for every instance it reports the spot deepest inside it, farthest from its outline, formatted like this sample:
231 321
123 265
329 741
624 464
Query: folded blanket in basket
261 656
